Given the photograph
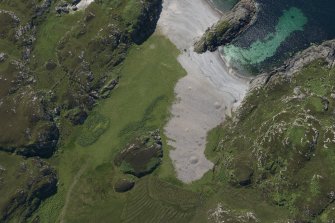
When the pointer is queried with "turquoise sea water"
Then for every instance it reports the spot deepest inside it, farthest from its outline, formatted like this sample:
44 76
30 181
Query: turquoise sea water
292 20
283 27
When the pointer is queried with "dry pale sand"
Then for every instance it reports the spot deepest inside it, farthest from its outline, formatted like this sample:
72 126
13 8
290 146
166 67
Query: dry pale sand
205 95
83 4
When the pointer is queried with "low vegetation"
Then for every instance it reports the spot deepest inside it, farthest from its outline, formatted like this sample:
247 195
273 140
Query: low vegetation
133 110
54 67
281 144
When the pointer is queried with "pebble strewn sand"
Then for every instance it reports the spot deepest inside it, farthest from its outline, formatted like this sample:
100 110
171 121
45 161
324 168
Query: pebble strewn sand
205 95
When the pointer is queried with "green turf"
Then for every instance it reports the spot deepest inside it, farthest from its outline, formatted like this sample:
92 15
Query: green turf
286 137
149 72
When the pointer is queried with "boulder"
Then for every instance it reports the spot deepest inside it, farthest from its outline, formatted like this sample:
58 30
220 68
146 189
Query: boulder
142 156
50 65
77 116
241 17
123 185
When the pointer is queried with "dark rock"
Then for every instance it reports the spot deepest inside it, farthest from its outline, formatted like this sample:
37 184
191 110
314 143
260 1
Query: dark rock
77 116
146 23
240 18
62 9
50 65
324 51
123 185
243 174
33 186
75 2
45 144
325 103
142 156
41 9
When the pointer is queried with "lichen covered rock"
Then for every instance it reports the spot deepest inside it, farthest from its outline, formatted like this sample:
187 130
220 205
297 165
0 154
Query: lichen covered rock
142 156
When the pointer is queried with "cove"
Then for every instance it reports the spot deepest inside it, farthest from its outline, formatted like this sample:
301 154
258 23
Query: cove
291 21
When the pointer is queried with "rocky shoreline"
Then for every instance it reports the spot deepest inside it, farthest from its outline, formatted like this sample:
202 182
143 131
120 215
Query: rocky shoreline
236 21
325 51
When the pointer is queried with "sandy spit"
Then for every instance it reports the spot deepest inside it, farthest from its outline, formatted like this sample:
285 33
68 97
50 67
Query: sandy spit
205 95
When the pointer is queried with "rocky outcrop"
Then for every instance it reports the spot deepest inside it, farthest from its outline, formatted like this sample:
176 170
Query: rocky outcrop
146 23
29 114
287 120
23 185
324 51
27 128
142 156
44 144
2 57
242 16
123 185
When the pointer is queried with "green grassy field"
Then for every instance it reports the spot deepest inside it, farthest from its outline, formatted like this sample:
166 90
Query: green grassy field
140 103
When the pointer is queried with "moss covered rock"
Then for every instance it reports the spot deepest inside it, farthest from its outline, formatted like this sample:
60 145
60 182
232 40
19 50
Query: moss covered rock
123 185
230 25
142 156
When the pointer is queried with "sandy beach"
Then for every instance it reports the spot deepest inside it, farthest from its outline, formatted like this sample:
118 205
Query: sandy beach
205 96
83 4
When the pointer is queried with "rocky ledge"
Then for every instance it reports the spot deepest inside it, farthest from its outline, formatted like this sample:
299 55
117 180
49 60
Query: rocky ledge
24 183
325 51
142 156
242 16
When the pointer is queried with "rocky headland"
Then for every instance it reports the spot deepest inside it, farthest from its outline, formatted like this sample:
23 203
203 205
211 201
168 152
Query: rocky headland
285 152
231 24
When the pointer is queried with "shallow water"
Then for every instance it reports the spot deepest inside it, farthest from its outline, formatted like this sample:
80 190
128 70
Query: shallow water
283 27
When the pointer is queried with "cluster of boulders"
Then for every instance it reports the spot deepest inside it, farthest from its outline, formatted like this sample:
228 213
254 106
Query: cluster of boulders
65 7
